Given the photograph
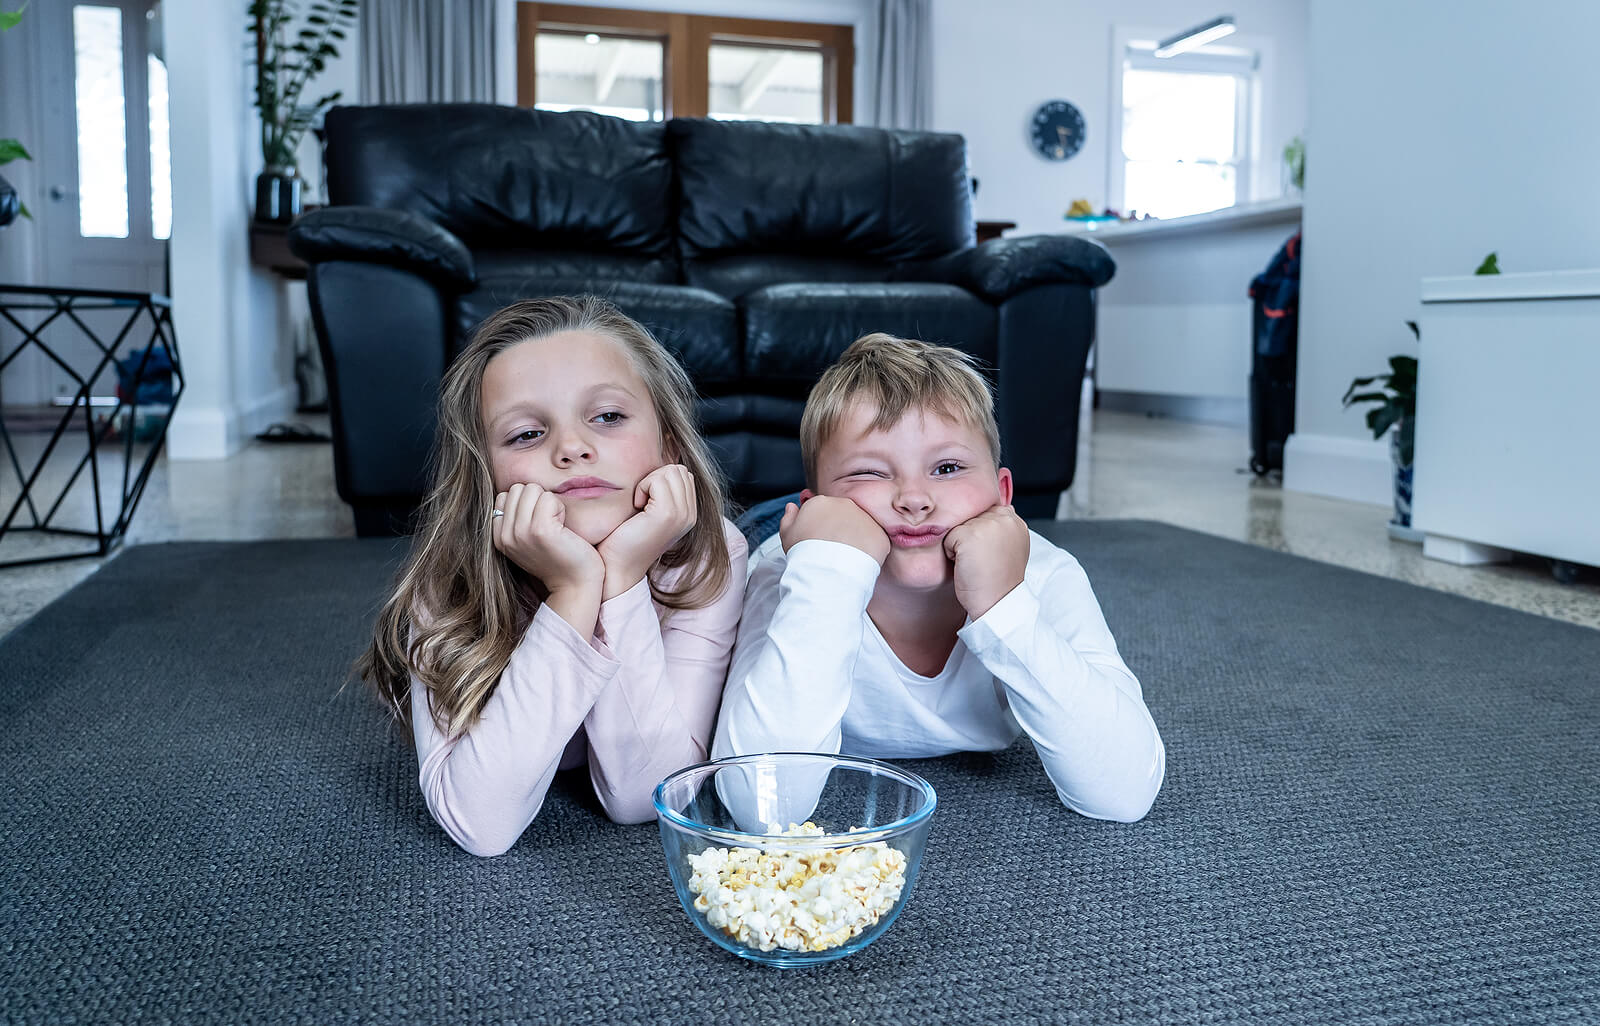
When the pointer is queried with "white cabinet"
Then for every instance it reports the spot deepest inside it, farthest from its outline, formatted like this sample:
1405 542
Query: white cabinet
1508 417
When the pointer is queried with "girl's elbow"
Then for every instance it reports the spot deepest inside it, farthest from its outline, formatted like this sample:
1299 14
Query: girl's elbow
627 809
484 848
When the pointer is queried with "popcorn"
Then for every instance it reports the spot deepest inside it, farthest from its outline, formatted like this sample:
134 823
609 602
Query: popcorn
798 900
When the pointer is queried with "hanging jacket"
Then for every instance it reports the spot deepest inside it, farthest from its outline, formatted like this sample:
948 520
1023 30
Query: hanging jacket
1277 290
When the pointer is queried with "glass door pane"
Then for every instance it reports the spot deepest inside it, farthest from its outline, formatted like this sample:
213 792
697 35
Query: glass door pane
615 75
160 152
102 127
766 83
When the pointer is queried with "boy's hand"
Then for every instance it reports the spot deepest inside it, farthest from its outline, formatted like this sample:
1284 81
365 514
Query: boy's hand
990 552
534 535
667 510
829 518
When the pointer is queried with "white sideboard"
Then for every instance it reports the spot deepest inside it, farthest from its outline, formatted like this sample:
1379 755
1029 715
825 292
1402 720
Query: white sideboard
1508 417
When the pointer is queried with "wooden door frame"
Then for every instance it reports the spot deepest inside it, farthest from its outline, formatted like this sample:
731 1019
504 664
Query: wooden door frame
686 41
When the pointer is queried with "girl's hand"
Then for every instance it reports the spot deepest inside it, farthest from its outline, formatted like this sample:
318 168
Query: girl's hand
534 535
667 510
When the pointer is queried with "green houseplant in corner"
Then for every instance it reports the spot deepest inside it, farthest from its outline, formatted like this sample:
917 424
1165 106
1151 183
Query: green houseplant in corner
11 149
1395 407
287 58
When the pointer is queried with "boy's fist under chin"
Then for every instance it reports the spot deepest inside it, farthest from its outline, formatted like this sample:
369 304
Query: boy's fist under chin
830 518
990 552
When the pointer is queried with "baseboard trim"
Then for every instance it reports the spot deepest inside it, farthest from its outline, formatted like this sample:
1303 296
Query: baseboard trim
1339 468
215 433
1194 409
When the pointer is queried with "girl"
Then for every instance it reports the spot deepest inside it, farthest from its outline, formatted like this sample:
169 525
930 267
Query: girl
570 596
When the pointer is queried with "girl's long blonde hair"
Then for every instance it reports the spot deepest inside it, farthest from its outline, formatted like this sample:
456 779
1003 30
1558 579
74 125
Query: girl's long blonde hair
460 608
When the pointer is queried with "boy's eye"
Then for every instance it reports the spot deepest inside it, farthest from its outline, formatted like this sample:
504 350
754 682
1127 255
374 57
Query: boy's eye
946 468
868 473
610 417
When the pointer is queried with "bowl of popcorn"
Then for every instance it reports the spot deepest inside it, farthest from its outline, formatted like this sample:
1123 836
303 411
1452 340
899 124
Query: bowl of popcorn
794 859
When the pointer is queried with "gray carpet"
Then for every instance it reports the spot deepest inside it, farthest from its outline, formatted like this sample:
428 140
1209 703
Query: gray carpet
1381 807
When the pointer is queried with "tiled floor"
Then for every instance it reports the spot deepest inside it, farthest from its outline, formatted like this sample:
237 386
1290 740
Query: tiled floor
1130 466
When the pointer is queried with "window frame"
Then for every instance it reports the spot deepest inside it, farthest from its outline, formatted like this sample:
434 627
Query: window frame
1250 183
686 44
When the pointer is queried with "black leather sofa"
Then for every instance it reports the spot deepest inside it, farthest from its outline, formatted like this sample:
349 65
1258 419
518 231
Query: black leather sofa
756 252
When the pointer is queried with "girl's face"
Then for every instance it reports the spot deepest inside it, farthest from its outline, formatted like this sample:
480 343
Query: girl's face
570 414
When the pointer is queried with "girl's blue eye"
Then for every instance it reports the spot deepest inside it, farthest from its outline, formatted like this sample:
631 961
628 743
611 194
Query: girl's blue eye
530 435
610 417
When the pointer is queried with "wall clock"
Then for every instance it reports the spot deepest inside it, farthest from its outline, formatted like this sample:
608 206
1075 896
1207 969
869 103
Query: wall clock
1056 130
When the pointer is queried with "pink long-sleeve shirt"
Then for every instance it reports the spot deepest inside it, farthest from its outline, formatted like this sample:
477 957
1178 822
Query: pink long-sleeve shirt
636 702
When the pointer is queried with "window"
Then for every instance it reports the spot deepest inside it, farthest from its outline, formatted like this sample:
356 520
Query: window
102 131
647 65
1185 130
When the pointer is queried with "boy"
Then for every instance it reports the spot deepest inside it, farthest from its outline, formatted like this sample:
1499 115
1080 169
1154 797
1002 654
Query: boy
904 610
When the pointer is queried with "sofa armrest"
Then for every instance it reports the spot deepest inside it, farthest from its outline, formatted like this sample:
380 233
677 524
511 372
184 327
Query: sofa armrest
1001 268
394 238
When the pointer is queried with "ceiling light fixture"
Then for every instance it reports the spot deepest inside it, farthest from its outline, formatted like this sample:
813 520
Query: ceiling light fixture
1196 37
591 39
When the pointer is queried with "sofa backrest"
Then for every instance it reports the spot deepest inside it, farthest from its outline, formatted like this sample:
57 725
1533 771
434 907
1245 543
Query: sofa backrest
532 191
760 203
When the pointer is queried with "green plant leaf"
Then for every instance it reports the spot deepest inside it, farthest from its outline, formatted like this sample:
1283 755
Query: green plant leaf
11 149
1416 331
1361 383
1366 397
10 20
1382 419
25 212
1490 265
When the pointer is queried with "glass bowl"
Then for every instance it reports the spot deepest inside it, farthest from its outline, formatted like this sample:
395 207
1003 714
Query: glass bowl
794 859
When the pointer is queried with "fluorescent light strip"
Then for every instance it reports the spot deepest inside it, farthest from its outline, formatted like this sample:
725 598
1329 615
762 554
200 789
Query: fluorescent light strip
1196 37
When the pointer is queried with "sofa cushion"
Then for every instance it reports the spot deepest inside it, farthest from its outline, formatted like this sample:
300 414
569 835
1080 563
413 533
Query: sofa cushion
489 174
698 327
736 274
825 190
779 415
583 265
794 332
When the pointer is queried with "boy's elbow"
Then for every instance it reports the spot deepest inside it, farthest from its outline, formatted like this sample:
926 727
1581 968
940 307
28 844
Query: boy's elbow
1125 809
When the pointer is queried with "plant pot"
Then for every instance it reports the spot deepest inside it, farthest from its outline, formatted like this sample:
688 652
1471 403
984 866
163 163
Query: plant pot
278 192
1402 474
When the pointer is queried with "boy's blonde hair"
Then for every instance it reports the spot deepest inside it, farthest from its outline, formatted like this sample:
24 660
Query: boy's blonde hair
897 375
459 607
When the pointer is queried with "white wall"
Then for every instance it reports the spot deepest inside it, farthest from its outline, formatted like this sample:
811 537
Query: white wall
227 313
1436 134
995 61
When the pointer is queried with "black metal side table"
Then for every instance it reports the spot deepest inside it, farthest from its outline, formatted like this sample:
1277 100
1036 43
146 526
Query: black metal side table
141 355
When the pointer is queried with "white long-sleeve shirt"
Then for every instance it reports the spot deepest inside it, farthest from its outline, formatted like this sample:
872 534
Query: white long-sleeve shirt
810 672
635 702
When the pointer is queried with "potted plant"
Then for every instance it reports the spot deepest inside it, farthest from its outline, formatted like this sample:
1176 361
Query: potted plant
287 59
1396 407
10 149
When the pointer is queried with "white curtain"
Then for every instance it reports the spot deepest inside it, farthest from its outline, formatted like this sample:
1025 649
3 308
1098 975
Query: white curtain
904 94
427 51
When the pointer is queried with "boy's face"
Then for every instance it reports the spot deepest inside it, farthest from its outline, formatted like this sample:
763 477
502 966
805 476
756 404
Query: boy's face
918 479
